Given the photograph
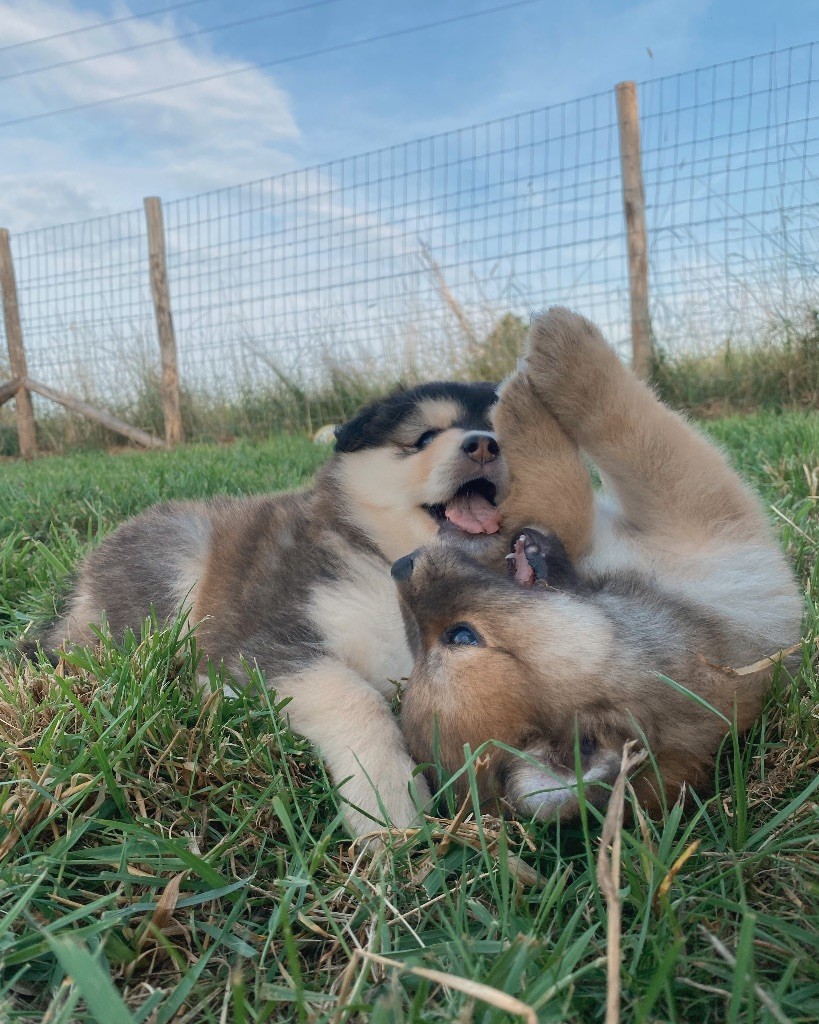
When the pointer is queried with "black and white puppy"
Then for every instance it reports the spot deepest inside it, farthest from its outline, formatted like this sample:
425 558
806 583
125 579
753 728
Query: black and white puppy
298 584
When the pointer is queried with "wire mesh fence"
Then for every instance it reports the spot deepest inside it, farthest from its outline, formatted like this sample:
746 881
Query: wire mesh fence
420 259
398 258
731 168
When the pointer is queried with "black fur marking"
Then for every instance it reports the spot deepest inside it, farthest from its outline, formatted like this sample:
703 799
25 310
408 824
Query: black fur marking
374 425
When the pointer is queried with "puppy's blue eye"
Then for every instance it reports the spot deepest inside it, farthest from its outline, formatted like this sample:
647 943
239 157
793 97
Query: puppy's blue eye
461 635
426 438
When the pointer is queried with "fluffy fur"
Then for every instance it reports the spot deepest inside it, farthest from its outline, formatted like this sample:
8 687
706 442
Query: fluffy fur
678 573
298 584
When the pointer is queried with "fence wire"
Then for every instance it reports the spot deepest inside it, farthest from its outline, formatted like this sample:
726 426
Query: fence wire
405 261
731 170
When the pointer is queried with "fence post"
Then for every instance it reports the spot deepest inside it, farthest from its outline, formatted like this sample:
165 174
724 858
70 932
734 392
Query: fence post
642 354
17 354
164 321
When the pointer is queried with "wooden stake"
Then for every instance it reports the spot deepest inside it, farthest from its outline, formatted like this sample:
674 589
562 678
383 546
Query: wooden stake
84 409
164 321
9 390
642 354
17 355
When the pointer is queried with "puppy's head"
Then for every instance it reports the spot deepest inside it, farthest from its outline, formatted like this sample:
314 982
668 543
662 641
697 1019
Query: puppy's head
533 662
428 456
497 661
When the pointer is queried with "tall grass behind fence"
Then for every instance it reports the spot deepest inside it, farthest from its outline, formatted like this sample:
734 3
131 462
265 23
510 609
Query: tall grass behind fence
731 168
422 259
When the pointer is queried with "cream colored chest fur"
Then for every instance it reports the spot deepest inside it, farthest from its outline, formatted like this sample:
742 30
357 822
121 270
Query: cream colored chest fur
362 625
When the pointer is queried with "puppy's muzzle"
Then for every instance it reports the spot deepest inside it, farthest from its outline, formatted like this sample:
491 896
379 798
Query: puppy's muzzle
481 446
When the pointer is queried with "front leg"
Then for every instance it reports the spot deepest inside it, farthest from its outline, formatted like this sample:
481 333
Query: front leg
668 479
550 486
355 732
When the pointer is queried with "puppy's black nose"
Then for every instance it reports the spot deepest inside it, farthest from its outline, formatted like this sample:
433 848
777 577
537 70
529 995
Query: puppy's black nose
402 569
481 447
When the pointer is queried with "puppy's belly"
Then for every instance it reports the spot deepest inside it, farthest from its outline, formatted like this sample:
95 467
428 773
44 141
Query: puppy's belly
748 589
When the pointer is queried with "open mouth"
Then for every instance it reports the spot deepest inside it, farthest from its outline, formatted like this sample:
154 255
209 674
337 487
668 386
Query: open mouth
471 508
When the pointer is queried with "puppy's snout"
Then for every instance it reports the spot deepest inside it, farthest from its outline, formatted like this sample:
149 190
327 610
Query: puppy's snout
402 569
481 447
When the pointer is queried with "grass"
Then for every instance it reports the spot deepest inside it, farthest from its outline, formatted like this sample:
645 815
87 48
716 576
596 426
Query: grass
780 369
265 402
171 856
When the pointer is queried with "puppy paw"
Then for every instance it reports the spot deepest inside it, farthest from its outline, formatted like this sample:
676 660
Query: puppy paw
570 365
518 407
541 559
545 784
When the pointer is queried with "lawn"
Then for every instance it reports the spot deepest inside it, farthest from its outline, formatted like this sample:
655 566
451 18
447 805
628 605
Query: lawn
167 856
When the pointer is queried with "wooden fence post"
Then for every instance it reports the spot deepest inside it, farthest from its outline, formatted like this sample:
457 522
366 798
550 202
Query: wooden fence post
642 354
164 322
17 354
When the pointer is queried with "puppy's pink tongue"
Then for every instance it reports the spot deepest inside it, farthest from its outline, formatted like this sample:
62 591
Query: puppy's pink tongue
473 514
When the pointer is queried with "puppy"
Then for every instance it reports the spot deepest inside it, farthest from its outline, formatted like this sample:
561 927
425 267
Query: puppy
672 571
298 584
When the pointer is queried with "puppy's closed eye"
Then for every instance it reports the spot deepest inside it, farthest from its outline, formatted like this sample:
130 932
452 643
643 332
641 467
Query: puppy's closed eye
426 439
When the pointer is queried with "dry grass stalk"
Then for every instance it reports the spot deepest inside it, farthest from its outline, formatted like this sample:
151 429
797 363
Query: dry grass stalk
23 803
474 989
761 994
608 876
449 299
673 871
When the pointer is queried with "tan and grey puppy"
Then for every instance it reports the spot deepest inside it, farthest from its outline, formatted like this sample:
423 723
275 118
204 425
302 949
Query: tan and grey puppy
678 573
299 584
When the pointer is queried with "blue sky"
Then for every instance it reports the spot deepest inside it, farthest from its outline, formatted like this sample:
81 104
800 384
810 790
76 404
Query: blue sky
236 128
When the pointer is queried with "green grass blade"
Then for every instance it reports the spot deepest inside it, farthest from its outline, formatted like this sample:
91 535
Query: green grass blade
96 987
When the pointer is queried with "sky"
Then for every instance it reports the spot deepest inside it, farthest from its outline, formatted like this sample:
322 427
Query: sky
243 126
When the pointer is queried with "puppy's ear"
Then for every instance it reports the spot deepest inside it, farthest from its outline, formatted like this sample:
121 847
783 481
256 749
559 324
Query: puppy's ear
357 433
370 426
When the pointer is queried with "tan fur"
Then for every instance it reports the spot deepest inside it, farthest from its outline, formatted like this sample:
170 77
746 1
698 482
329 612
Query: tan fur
668 479
679 573
549 483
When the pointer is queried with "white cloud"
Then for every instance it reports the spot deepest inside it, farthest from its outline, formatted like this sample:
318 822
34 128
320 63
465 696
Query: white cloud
104 159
